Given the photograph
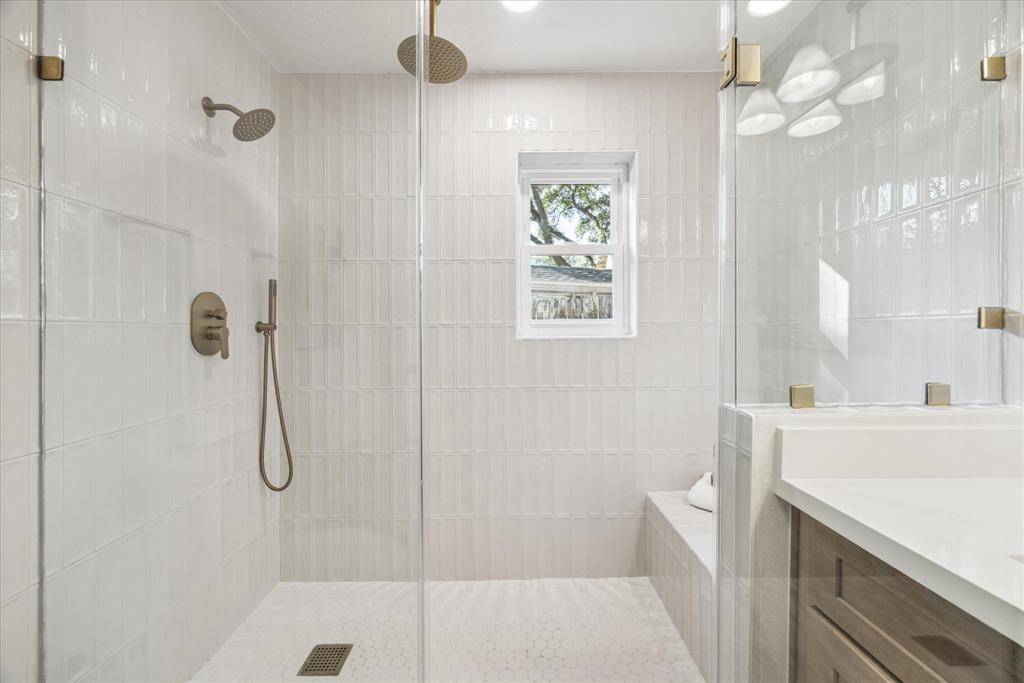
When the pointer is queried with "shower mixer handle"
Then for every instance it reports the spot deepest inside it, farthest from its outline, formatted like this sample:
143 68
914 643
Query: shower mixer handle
221 335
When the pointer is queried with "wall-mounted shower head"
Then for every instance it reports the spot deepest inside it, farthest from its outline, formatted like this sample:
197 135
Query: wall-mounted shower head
251 125
447 63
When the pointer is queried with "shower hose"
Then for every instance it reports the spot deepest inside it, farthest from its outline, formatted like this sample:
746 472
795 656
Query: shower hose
270 354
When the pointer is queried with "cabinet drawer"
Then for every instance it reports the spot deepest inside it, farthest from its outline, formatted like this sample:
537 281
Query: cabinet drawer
913 633
830 655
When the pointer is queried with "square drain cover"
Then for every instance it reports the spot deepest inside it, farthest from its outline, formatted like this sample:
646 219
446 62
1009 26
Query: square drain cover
326 659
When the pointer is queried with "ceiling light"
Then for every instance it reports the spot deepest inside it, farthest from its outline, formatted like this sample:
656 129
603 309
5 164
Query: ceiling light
868 86
821 119
809 75
762 8
761 114
519 6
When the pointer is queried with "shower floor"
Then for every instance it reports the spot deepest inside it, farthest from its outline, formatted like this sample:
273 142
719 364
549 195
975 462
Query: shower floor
568 630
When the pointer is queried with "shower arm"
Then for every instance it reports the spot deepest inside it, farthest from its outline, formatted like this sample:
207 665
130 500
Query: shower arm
433 17
209 106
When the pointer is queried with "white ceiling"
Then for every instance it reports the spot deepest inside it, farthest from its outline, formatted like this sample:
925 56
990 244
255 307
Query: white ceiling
361 36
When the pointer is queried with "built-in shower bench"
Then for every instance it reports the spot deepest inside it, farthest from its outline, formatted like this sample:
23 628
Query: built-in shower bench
680 564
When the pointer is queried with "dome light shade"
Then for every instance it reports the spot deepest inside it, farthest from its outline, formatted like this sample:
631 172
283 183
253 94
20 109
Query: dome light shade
868 86
761 114
763 8
809 75
519 5
821 119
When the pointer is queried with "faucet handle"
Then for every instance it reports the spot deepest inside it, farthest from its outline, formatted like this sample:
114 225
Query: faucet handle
218 314
220 334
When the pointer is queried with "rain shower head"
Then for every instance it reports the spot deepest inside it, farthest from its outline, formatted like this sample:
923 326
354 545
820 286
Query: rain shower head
251 125
447 63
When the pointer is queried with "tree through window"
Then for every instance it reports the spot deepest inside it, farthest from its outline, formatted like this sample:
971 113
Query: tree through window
573 260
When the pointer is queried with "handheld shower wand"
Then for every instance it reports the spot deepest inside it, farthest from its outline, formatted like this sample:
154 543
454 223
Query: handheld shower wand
267 329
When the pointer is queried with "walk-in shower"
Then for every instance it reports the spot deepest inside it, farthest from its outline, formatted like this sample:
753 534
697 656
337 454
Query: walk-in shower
441 496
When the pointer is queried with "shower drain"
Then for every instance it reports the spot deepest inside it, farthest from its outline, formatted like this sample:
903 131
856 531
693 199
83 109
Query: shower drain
326 659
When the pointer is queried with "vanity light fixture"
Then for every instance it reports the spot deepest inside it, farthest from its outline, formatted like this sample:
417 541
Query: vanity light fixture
764 8
868 86
809 75
519 6
821 119
761 114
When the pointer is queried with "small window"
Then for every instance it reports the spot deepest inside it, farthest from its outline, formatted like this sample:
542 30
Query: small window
576 227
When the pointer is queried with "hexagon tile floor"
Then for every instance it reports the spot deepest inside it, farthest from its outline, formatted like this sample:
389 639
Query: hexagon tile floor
564 630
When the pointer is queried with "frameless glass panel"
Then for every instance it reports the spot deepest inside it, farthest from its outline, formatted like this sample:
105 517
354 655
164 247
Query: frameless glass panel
571 287
867 202
171 550
547 558
864 231
570 214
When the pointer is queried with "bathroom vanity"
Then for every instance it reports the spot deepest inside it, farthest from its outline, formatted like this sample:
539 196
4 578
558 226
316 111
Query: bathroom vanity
856 618
907 548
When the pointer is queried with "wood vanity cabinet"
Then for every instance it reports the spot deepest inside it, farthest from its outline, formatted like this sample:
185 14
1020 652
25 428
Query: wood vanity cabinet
856 619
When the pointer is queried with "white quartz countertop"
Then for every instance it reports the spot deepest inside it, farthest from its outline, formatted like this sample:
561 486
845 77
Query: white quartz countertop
961 537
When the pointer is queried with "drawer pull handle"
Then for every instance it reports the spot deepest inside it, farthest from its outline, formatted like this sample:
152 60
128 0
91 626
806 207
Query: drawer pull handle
947 651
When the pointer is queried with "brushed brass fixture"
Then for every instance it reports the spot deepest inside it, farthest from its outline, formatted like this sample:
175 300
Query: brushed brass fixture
251 125
728 55
325 659
993 69
937 394
50 68
267 329
999 318
209 325
801 395
447 62
748 65
742 63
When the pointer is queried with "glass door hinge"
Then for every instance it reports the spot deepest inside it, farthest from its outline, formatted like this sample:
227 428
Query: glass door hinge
801 395
50 68
999 318
742 64
993 69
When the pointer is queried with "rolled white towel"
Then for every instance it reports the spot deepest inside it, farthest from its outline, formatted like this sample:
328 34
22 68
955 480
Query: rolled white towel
702 495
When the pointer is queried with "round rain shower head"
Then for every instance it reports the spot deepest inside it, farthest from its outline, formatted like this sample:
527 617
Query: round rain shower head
446 61
250 125
254 124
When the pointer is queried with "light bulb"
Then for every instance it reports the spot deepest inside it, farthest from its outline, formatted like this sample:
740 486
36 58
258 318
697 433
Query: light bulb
519 6
809 75
761 114
821 119
763 8
868 86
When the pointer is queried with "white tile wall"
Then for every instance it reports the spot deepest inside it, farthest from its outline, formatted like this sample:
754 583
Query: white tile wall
159 534
348 327
861 267
539 453
19 343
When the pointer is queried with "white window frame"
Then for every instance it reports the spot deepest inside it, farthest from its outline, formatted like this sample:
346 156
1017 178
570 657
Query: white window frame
576 168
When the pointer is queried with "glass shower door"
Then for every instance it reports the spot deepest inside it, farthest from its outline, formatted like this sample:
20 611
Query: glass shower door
165 556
